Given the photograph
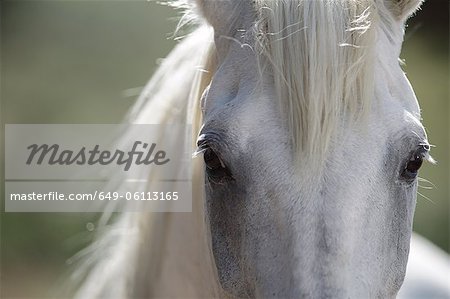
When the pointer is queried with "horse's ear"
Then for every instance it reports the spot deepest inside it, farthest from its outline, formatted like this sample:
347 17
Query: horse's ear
402 9
224 15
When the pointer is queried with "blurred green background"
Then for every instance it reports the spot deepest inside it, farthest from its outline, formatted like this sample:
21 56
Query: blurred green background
85 62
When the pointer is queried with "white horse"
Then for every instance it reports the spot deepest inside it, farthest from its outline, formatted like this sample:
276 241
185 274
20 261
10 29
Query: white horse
311 141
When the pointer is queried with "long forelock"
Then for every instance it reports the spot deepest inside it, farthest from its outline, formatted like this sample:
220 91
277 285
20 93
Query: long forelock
321 54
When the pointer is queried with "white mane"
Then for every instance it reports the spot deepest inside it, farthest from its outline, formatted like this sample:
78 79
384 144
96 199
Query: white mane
127 250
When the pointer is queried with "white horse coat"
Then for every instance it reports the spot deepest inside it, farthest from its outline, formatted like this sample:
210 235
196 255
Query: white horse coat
311 138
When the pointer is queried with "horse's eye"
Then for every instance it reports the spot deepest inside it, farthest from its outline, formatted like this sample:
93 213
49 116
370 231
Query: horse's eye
413 165
212 161
215 168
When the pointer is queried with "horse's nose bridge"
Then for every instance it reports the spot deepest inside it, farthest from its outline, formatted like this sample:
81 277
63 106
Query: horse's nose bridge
306 238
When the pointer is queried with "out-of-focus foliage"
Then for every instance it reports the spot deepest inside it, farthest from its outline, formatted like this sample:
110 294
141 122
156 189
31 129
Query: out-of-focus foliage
84 62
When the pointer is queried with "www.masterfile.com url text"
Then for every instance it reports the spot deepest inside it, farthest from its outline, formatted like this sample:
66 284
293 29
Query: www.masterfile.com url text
96 195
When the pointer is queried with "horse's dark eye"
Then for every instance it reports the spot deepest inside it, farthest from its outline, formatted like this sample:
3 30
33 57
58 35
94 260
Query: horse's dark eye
212 161
413 165
215 168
